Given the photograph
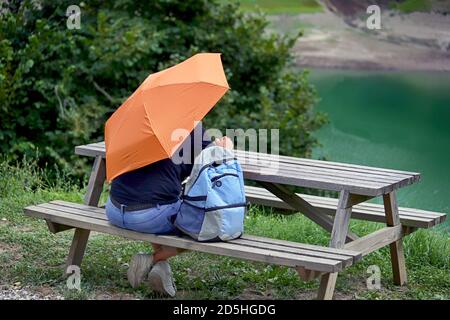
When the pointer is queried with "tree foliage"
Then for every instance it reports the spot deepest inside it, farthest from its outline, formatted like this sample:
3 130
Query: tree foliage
58 86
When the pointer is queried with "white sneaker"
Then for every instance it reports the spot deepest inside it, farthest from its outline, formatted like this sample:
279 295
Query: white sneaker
160 279
140 266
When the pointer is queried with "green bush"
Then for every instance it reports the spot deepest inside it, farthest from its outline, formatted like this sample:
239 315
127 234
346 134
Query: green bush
58 86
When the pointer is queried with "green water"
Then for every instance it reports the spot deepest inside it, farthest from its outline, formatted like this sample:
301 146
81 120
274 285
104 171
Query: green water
392 120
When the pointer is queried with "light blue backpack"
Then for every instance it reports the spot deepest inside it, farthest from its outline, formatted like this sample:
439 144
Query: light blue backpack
214 205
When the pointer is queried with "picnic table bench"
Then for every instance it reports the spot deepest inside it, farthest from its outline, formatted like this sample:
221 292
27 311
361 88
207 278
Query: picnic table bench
355 184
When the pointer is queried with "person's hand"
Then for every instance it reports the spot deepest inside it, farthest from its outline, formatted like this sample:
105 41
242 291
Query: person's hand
224 142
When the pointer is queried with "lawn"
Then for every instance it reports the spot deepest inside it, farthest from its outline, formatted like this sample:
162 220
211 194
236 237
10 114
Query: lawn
279 6
409 6
32 257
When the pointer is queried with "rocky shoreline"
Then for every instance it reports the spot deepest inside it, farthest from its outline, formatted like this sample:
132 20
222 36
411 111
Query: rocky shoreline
413 42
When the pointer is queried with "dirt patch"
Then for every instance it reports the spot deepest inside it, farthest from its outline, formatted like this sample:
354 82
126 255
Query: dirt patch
114 296
27 293
252 294
45 290
12 250
24 228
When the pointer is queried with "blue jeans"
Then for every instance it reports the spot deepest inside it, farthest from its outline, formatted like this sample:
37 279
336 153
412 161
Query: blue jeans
156 220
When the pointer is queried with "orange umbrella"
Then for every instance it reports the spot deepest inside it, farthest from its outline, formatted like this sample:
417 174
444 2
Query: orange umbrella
139 131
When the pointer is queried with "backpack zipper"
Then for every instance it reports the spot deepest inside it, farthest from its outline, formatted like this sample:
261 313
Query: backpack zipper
223 175
236 205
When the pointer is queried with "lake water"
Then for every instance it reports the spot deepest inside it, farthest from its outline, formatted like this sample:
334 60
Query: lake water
391 120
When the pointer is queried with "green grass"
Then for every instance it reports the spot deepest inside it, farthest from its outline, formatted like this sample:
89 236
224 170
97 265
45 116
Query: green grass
279 6
409 6
33 257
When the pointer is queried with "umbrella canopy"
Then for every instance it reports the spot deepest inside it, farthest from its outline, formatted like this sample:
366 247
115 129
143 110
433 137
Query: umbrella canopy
140 131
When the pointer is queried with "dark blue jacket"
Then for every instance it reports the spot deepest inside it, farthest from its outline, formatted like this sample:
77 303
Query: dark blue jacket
156 183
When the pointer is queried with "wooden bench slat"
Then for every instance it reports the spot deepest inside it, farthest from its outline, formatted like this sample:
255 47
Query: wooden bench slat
307 251
100 213
76 211
228 249
356 256
310 253
79 216
331 203
79 206
366 211
375 209
289 249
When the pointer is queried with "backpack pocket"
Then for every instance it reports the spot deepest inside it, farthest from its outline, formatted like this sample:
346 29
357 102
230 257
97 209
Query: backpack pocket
225 206
223 223
190 219
226 189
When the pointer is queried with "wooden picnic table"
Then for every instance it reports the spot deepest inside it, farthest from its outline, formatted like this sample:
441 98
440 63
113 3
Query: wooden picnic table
355 184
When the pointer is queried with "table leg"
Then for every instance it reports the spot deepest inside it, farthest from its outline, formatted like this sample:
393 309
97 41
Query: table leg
397 255
338 236
94 191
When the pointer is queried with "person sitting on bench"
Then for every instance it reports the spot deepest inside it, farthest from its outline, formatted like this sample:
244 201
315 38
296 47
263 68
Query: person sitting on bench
147 200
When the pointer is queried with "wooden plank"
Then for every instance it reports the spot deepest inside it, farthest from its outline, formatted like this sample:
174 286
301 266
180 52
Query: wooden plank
341 221
308 275
304 207
396 248
372 214
285 176
98 210
254 173
77 248
96 181
326 201
85 213
346 256
327 182
98 213
364 211
98 148
55 227
315 183
338 237
331 174
319 163
227 249
347 261
94 191
327 286
355 255
356 199
376 240
90 151
323 169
